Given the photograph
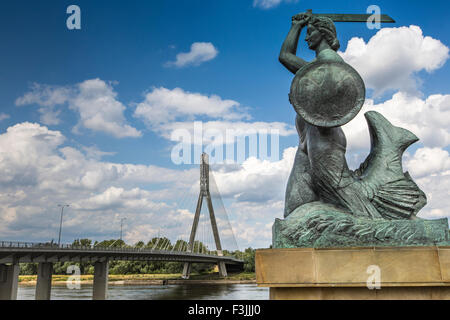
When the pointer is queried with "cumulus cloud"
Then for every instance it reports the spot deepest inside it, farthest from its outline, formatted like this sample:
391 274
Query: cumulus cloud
256 180
99 109
429 161
162 105
252 222
94 100
209 131
200 52
25 150
48 97
45 95
436 186
198 119
37 172
391 59
118 198
254 193
428 118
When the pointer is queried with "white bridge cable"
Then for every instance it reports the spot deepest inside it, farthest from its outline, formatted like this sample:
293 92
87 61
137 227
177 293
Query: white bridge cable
186 201
228 240
204 241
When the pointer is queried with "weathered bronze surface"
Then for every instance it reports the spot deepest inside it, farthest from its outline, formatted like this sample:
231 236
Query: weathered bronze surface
327 93
326 203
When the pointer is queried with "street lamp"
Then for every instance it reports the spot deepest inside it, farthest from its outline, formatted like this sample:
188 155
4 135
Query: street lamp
121 225
60 223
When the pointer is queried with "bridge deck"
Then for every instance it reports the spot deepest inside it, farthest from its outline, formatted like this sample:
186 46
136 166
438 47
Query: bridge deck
11 252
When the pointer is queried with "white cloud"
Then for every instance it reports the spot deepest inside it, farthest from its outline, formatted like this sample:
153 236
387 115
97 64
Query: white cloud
393 56
429 161
93 152
437 188
94 100
163 105
253 222
268 4
428 118
25 150
256 180
48 97
45 95
4 116
174 114
117 198
37 172
209 129
100 110
200 52
49 116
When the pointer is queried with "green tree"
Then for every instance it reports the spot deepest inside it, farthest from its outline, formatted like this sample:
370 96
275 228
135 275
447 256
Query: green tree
249 260
113 243
82 242
28 268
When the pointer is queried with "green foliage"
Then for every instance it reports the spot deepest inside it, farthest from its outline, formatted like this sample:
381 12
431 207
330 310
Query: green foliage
113 243
249 260
82 242
28 268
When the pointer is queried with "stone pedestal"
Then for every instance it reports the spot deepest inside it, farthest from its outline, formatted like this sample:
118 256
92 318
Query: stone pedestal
404 273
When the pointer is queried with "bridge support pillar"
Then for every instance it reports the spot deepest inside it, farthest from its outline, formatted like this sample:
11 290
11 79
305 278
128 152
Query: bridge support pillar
9 280
44 281
222 269
101 270
187 270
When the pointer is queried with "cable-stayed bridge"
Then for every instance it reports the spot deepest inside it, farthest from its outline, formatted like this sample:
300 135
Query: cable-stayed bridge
205 245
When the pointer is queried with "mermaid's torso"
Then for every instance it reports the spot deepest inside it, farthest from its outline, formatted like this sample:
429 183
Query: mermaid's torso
332 180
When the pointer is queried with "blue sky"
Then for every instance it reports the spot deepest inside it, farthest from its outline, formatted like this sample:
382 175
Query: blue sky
127 51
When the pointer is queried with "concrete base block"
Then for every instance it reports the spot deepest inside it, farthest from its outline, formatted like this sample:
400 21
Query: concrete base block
405 273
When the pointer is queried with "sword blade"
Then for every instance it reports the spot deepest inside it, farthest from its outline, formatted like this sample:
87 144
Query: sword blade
353 17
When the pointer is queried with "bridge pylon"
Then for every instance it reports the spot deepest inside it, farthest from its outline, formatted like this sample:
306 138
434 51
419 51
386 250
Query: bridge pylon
204 194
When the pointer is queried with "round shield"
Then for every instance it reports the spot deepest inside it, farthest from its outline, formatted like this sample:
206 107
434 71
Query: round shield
327 93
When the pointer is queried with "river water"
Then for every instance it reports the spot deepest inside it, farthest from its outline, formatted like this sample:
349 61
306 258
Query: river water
156 292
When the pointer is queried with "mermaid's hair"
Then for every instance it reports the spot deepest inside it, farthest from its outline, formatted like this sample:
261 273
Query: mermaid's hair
327 29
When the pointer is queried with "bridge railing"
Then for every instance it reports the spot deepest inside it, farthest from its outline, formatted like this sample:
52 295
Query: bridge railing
55 246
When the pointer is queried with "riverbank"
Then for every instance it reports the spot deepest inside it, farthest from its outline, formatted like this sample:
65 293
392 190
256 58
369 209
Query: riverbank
150 279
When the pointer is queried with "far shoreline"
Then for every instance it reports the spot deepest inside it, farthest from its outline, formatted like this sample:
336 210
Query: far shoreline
148 282
148 279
